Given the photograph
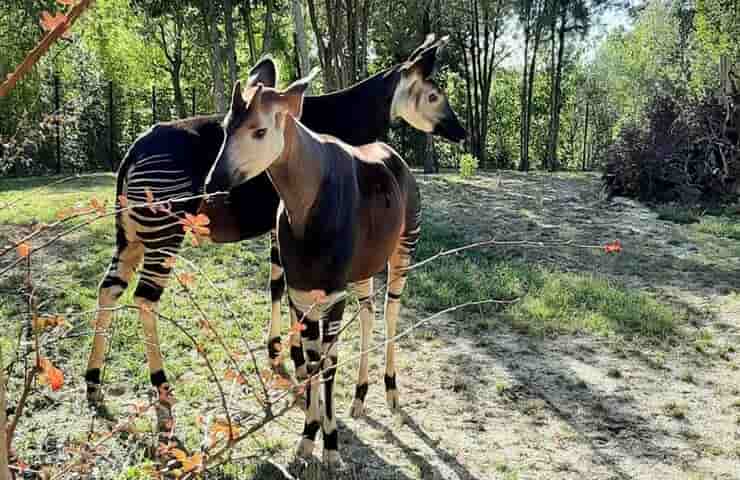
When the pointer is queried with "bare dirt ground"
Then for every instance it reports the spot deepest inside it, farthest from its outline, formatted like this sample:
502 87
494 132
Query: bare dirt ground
503 405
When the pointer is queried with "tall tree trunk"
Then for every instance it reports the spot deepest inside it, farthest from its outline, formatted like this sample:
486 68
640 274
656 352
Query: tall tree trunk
556 106
585 137
523 153
247 18
324 55
230 41
211 24
174 59
427 152
300 38
530 91
268 34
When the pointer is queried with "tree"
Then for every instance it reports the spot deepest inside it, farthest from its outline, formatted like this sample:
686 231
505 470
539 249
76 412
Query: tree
479 45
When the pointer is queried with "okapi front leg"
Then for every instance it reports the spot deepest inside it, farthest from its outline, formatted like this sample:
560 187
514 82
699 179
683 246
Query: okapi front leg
397 264
311 344
329 350
122 268
277 289
363 290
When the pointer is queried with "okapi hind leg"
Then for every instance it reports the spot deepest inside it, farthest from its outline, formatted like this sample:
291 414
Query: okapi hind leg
121 270
363 290
330 357
152 283
397 264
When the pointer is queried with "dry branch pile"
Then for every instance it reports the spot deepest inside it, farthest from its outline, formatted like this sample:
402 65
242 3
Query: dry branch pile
685 153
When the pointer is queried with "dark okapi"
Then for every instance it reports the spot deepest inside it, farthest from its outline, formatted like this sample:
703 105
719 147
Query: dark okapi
346 213
171 161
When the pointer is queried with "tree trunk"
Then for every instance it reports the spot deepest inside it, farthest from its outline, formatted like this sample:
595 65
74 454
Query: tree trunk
177 91
211 24
523 153
324 57
585 137
269 27
247 17
300 38
530 89
552 148
230 41
427 150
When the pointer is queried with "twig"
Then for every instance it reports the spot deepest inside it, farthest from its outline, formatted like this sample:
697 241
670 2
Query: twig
43 46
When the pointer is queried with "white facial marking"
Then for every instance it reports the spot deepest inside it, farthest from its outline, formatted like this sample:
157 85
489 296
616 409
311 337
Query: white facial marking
422 116
251 155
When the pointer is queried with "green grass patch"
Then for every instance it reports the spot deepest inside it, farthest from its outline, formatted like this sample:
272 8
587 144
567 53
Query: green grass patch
677 213
722 226
550 301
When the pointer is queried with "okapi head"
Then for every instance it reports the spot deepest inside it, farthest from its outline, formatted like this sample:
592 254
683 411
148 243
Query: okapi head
255 127
419 101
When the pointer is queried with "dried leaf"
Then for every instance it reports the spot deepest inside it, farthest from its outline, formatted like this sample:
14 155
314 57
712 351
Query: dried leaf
49 23
24 250
169 262
50 374
97 205
186 278
613 247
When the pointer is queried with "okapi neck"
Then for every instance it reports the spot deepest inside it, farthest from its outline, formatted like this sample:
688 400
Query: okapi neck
298 173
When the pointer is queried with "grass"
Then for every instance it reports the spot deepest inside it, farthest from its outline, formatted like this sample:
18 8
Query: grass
550 301
677 213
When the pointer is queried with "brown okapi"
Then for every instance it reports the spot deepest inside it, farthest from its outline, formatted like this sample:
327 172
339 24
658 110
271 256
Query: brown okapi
170 162
346 213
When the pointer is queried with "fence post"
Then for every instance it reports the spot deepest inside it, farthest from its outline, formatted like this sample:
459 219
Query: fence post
58 122
111 151
192 95
154 104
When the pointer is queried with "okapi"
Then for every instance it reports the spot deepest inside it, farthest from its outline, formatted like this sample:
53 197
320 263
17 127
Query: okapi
171 161
346 213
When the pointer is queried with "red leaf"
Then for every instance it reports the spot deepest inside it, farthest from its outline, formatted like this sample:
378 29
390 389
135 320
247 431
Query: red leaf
614 247
50 374
49 23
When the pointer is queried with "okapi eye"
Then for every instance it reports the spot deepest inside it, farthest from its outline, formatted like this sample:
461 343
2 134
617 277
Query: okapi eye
433 97
260 133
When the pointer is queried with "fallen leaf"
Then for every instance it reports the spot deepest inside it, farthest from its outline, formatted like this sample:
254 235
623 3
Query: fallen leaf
613 247
24 250
97 205
50 375
169 262
186 278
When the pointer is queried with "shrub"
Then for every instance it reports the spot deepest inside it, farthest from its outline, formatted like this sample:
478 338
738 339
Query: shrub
468 165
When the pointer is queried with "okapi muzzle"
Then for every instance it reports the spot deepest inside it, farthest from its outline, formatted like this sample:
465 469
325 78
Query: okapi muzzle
449 127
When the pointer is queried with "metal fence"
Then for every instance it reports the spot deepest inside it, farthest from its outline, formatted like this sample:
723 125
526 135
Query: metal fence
81 127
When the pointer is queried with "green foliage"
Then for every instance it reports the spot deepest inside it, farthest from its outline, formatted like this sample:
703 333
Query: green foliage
468 166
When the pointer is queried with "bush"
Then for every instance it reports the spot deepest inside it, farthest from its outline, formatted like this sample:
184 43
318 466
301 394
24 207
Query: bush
468 165
681 152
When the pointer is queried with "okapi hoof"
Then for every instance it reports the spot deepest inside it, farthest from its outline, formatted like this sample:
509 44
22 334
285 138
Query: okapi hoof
163 409
304 449
391 398
96 402
332 459
358 408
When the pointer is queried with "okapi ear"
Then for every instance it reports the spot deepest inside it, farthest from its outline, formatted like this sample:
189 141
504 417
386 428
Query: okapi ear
427 42
293 95
264 72
237 100
426 59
